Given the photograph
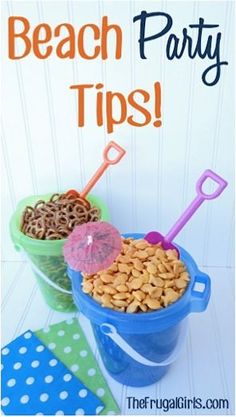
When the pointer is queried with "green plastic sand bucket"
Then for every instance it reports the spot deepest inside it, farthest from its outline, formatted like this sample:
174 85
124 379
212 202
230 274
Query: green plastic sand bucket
46 258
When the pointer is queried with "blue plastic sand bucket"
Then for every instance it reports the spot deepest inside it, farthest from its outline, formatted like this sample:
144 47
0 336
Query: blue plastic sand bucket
138 348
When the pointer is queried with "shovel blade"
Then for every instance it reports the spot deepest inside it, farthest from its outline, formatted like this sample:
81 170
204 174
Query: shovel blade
154 237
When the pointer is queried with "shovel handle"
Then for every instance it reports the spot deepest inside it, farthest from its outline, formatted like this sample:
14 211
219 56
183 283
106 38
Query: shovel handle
118 148
196 203
215 177
106 162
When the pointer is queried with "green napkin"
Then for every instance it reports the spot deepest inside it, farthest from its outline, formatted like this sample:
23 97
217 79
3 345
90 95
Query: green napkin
67 341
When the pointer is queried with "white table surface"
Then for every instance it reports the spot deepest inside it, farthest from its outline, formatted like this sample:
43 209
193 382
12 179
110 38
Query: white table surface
204 369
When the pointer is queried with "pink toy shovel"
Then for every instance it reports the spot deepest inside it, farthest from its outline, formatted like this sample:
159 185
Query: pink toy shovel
106 163
166 241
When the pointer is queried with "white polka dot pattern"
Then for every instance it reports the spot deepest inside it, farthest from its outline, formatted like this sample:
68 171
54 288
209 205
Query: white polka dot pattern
46 330
48 379
43 384
63 395
35 364
24 399
5 401
67 377
17 365
53 362
100 392
22 350
67 349
30 380
74 367
83 393
79 412
11 382
99 409
40 348
91 372
44 397
51 346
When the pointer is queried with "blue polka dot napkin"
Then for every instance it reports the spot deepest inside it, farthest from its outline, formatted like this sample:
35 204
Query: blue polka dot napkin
35 382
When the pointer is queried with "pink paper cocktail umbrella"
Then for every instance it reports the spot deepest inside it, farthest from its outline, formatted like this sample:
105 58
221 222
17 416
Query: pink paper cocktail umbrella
92 246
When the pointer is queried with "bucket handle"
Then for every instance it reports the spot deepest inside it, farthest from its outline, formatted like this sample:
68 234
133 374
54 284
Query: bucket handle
44 277
110 331
200 297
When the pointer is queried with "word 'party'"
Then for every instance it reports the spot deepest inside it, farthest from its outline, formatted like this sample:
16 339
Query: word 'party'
105 41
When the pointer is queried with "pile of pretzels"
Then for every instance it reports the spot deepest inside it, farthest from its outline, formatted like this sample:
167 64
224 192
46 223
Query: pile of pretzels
57 218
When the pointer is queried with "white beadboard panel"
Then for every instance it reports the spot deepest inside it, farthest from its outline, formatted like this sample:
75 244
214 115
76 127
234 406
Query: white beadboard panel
207 328
18 301
10 273
45 151
7 205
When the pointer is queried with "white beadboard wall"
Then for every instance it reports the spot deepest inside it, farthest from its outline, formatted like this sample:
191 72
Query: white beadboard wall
44 150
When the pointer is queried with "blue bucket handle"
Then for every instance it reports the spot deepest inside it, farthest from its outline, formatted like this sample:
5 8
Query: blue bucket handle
199 299
111 331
